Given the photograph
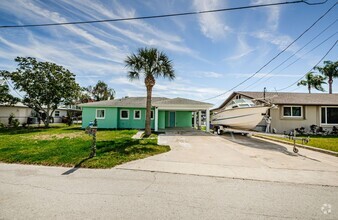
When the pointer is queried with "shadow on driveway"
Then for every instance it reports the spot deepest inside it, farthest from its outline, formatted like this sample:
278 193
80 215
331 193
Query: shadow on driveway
258 144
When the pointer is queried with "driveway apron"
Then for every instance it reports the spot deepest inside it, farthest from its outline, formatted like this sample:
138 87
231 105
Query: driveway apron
239 157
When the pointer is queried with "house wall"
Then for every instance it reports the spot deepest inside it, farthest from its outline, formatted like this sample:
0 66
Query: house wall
167 119
161 119
281 123
110 120
132 122
20 113
183 119
58 119
113 118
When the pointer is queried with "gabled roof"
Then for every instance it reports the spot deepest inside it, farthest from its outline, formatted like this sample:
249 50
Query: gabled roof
290 98
140 102
180 101
137 102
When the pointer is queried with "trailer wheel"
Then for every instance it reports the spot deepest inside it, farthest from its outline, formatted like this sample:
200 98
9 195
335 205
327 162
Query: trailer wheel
295 150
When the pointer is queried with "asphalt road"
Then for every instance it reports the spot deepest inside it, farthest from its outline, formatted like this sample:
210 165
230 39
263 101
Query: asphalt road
36 192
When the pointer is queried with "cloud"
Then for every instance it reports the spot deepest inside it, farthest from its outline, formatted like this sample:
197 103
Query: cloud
281 41
212 24
171 89
265 75
243 49
207 74
273 13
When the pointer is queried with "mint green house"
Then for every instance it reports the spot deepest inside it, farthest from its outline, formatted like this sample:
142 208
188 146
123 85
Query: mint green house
130 113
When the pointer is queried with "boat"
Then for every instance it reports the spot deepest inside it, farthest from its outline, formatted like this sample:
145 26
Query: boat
240 114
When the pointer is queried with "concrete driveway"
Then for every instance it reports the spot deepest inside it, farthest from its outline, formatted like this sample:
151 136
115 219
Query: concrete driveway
240 157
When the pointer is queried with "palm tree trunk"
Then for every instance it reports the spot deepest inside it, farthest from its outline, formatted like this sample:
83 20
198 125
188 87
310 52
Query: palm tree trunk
330 85
309 88
149 81
148 112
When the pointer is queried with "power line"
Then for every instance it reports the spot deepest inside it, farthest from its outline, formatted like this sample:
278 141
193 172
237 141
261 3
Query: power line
13 88
269 73
312 67
160 16
308 52
276 55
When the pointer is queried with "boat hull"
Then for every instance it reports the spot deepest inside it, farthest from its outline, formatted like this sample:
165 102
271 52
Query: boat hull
240 118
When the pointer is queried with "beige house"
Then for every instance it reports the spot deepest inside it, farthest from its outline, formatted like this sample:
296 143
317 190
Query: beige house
295 110
23 112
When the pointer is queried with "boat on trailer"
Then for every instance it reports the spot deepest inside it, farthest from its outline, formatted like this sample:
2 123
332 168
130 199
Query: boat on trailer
239 114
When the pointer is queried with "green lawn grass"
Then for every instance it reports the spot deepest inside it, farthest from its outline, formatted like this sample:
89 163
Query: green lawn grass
323 142
70 146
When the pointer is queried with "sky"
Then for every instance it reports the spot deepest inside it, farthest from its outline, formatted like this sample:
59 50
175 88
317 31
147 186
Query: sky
211 53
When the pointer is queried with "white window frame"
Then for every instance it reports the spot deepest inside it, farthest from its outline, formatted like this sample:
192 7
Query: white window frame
291 116
121 114
152 118
320 115
104 113
57 112
135 114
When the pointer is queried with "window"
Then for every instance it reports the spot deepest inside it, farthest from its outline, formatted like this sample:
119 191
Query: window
124 114
137 114
329 115
100 113
292 111
57 113
152 115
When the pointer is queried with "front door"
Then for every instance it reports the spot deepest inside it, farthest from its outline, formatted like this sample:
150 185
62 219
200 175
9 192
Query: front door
172 119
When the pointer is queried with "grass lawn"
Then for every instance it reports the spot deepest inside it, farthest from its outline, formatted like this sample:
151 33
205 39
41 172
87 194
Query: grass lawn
70 146
324 142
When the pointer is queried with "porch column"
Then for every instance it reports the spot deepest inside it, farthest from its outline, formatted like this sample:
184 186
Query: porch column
208 120
156 119
195 119
199 120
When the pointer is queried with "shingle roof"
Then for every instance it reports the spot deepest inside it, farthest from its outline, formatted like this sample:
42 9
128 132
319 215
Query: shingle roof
140 102
181 101
137 102
290 98
295 98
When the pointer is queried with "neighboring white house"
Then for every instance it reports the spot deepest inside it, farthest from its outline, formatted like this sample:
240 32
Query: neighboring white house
295 110
23 112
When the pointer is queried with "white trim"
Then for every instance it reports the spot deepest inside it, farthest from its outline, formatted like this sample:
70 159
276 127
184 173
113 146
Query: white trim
140 115
320 115
104 113
208 120
152 118
291 116
58 111
121 114
156 119
195 120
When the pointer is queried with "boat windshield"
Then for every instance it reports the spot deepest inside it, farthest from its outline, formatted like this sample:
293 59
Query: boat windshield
240 103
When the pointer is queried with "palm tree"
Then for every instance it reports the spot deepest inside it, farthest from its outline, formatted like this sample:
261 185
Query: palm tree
313 81
152 64
330 70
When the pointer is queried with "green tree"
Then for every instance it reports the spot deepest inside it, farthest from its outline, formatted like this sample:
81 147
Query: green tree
100 91
5 96
330 70
313 81
46 85
151 64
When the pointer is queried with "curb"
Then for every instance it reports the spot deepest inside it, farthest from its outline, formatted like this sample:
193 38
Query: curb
332 153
